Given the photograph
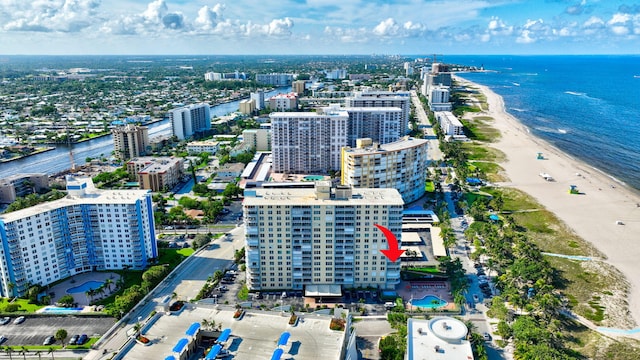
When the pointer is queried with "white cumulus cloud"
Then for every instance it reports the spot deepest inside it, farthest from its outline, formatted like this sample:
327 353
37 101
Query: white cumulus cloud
50 16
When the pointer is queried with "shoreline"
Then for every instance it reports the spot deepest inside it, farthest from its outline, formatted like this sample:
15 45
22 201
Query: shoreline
593 214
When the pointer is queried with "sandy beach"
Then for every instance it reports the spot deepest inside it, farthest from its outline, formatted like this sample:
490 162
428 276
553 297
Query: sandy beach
606 213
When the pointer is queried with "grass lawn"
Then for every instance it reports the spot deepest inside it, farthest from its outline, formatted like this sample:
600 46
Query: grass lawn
479 129
173 257
24 305
477 151
492 170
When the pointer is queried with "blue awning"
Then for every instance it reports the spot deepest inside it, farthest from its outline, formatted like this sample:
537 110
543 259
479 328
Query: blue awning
193 329
284 338
180 345
170 357
224 336
277 354
213 353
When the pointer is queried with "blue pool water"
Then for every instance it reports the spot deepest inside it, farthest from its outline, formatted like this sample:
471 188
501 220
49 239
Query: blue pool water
89 285
429 302
61 310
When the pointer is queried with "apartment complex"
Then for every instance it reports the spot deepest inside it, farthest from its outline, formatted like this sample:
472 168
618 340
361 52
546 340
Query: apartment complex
400 165
376 99
190 120
321 236
449 124
156 174
88 230
20 185
284 102
257 139
308 142
299 86
439 98
274 79
247 106
130 141
198 147
381 124
258 97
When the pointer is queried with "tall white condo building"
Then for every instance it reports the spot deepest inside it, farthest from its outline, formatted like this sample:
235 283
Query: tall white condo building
190 120
88 230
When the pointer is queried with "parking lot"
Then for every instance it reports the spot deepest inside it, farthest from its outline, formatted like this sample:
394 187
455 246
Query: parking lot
34 330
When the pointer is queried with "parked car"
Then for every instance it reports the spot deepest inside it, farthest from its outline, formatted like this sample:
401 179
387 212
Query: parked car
82 339
19 320
2 339
5 320
74 339
49 340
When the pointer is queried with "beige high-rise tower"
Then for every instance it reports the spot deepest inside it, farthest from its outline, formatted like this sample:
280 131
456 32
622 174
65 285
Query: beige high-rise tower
130 141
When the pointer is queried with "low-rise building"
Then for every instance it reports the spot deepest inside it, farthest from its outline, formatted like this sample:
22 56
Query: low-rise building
284 102
20 185
198 147
156 174
440 338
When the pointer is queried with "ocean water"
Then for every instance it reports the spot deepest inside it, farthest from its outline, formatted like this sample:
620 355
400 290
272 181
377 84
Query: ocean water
586 106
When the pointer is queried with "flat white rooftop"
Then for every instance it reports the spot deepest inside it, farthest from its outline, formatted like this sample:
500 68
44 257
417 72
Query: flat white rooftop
441 338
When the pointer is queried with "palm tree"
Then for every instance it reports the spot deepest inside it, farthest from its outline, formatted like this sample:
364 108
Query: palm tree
11 286
89 295
9 350
137 327
23 351
51 351
108 284
39 353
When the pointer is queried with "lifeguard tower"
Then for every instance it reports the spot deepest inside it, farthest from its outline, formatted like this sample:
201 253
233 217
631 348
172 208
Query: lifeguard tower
573 189
540 156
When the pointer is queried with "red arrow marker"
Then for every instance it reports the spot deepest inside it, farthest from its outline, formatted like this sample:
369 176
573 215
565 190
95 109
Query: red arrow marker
393 253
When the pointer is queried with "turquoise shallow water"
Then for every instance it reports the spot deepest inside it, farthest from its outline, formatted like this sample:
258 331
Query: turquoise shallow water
89 285
429 302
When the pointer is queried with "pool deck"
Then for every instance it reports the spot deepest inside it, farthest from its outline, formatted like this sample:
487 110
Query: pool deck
419 289
60 290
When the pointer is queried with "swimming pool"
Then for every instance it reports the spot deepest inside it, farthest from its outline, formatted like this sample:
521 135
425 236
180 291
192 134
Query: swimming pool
89 285
61 310
429 302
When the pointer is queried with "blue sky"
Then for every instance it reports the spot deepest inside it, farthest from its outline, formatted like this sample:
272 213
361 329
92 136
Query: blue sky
319 27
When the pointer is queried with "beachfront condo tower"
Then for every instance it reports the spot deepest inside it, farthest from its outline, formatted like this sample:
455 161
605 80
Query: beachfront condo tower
400 165
88 230
325 236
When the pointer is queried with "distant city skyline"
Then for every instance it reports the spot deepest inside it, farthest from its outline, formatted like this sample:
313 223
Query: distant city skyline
60 27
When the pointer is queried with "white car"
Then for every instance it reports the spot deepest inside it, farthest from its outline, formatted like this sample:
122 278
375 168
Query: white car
19 320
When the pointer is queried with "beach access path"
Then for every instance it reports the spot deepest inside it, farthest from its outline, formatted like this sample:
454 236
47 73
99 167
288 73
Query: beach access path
605 213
